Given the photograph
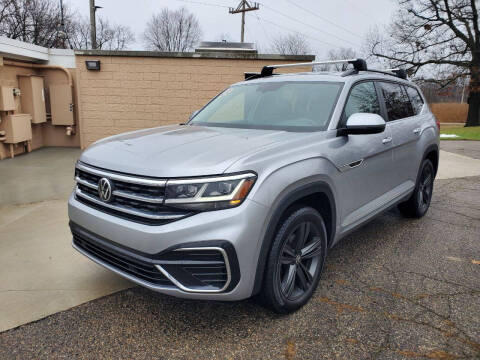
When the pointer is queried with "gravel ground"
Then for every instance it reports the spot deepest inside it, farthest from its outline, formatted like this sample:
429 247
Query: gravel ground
395 289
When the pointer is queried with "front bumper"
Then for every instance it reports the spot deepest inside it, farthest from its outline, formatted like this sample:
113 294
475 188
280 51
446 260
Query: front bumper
233 233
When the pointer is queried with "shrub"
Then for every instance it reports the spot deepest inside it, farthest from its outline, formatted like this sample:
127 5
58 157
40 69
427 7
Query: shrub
450 112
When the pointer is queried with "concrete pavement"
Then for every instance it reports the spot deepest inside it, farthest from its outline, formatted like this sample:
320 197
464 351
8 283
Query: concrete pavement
45 174
41 274
457 166
464 147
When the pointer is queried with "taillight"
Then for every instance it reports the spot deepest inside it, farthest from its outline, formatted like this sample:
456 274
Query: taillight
438 124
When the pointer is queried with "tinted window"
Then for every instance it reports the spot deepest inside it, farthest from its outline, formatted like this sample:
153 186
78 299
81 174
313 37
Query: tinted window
362 99
272 105
415 99
396 101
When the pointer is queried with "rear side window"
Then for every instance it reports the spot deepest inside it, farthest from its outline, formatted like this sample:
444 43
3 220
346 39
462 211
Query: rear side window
362 99
396 101
415 99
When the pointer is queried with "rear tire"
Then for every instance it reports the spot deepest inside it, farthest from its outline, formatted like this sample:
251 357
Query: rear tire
295 261
417 205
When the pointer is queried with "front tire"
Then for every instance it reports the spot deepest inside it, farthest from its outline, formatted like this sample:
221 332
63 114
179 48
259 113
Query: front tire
417 205
295 262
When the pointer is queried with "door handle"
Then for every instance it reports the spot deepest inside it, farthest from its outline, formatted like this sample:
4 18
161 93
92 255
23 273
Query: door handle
387 140
417 131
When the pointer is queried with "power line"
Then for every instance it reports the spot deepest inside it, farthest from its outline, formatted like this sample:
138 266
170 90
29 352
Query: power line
359 9
311 26
298 32
267 36
322 18
204 3
275 24
263 28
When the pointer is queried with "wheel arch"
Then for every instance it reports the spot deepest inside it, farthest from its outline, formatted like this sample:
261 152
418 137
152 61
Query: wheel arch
318 195
432 153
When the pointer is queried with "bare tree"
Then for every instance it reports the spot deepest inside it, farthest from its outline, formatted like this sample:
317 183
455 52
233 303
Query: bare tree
291 44
80 36
172 30
109 36
4 10
337 54
40 22
35 21
436 93
436 40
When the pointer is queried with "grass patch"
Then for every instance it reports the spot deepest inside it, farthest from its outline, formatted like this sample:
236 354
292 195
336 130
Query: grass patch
463 133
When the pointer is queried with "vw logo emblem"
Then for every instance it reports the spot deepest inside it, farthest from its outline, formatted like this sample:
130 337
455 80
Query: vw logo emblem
105 189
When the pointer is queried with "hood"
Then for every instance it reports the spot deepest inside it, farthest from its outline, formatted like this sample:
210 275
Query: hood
178 151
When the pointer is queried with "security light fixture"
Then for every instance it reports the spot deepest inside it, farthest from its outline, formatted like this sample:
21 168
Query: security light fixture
93 64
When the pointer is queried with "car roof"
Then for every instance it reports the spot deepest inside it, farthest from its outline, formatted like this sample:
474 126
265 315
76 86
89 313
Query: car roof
338 77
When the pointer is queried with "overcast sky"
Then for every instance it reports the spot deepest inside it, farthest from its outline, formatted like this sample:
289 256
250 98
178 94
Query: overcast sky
326 24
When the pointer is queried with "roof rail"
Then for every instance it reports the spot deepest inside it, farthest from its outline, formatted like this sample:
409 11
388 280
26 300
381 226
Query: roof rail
400 73
358 65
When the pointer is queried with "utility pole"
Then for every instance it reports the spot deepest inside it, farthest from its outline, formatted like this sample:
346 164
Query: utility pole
93 24
62 33
243 7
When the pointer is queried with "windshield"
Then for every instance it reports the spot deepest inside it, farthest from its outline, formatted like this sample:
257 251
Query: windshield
294 106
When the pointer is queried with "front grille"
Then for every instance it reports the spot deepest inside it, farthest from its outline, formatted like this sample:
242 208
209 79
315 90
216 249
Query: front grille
139 269
133 198
149 192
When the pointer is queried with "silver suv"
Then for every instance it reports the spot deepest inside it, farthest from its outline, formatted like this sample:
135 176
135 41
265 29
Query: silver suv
248 196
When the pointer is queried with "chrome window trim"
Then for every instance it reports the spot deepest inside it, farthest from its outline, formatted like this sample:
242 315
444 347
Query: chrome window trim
79 192
118 177
187 289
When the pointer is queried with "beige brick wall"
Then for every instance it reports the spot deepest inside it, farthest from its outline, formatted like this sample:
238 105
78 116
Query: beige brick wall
131 92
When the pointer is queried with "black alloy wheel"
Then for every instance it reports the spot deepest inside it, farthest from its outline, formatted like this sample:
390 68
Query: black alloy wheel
296 260
425 188
417 205
299 260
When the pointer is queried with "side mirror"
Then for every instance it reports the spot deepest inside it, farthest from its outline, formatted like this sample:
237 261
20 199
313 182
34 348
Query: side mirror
193 114
364 123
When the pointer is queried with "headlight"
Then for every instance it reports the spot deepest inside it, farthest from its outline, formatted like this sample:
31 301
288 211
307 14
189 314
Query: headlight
210 193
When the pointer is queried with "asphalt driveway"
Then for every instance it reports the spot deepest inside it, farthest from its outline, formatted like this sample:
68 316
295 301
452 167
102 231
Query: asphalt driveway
397 288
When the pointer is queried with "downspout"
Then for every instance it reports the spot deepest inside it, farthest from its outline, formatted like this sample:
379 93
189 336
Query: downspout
70 129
